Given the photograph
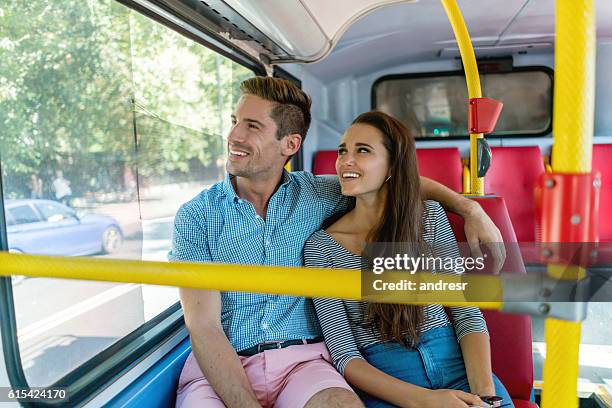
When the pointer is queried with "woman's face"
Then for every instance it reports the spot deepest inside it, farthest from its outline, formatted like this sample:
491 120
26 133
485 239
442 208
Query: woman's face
363 161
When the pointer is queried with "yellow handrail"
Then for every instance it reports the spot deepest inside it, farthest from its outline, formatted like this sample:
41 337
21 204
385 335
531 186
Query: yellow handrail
574 105
473 84
466 179
573 118
292 281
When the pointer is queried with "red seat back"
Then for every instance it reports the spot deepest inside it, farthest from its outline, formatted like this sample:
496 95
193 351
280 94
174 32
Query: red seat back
511 352
442 165
324 162
513 175
602 162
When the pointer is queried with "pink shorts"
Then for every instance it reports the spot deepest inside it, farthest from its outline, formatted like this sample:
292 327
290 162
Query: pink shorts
283 378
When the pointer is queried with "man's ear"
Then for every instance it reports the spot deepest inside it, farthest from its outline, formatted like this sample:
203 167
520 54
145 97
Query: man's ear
291 144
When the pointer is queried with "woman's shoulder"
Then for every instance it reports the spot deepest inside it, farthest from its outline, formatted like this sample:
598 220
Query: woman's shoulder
319 241
318 237
431 208
317 249
434 219
433 212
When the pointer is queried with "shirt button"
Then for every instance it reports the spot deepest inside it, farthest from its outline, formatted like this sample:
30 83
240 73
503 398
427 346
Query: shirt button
239 201
264 326
267 242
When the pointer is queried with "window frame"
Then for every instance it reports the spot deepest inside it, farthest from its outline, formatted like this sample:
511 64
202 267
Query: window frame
532 68
205 37
90 378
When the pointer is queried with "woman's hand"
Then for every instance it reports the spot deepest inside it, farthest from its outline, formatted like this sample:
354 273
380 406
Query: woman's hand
450 399
484 390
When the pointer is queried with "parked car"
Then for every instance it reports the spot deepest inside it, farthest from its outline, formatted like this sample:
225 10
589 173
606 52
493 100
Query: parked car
47 227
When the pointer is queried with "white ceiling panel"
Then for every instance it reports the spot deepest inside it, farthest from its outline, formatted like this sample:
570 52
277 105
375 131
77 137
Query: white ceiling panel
334 16
405 33
536 22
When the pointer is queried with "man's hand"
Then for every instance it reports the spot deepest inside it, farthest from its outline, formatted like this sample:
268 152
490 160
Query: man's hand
479 229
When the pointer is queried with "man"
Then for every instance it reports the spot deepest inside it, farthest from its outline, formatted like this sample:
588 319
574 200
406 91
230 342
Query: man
61 186
252 350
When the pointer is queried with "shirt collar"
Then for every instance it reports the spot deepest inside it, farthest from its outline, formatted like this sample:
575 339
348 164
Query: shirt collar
229 191
286 178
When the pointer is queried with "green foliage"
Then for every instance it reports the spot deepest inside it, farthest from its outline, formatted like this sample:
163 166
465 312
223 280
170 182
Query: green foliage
75 76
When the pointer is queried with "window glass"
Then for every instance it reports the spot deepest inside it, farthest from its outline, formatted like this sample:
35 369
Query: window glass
9 218
121 120
23 214
436 106
55 212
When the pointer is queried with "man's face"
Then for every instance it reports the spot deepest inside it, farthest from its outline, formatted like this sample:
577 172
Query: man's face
253 149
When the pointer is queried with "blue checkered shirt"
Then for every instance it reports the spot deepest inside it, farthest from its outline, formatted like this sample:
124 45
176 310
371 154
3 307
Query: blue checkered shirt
219 226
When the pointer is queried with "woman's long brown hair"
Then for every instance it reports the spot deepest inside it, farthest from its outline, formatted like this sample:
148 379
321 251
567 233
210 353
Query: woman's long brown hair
401 222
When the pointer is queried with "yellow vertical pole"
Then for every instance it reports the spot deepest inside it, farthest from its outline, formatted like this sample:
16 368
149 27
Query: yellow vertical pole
473 84
572 150
574 102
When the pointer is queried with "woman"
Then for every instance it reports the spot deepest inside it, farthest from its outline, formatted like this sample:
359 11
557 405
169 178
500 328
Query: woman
397 355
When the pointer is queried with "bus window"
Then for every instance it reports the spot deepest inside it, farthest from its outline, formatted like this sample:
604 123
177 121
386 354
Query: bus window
110 122
435 105
23 214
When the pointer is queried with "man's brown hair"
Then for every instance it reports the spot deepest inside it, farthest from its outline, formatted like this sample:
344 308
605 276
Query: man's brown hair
291 111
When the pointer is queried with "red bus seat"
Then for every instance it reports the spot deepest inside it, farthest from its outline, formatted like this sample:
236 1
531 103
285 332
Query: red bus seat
513 175
602 154
442 165
324 162
511 353
602 162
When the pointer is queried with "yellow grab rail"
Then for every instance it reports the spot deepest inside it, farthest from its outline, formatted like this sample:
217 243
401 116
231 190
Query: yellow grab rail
574 105
467 181
473 84
292 281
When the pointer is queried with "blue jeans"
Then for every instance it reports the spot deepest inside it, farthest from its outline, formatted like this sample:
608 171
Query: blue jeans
435 363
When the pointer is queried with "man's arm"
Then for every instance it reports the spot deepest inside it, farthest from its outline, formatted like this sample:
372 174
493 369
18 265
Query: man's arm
213 352
202 309
478 226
